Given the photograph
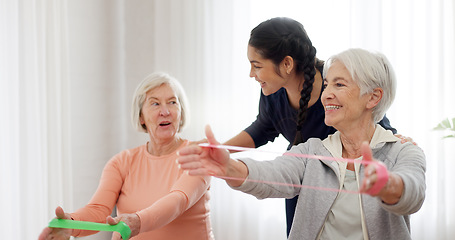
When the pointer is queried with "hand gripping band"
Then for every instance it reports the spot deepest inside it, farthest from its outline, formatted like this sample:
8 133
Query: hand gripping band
121 227
382 178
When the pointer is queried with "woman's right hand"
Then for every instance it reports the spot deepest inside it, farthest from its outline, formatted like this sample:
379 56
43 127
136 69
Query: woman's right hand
204 161
57 233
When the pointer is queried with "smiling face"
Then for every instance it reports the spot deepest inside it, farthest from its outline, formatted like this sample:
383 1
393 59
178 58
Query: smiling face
344 107
161 113
264 71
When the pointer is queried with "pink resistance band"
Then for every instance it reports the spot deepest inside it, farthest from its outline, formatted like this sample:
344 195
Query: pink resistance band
381 170
382 178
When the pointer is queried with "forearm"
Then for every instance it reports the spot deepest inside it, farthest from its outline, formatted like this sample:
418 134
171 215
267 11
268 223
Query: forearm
236 173
407 178
393 190
91 213
163 211
243 139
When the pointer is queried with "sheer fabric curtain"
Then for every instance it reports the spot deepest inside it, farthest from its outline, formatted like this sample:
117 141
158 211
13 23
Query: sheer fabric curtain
34 154
419 39
61 104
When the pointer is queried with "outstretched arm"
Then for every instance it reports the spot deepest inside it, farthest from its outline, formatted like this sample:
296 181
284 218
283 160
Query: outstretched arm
216 162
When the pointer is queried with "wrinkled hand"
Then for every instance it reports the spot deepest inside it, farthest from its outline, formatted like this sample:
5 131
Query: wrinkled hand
204 161
370 172
405 139
57 233
391 192
132 220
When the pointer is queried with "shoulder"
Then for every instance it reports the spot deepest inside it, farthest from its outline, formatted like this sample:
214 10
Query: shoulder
127 156
314 142
311 146
129 153
278 98
395 152
398 148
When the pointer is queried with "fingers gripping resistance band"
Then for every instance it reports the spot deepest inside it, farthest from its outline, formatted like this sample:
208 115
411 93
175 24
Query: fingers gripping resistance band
381 170
121 227
382 178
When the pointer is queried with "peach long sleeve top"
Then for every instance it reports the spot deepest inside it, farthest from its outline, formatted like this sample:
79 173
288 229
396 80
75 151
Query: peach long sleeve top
170 203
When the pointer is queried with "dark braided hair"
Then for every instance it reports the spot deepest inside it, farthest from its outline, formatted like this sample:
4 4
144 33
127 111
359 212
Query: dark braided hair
279 37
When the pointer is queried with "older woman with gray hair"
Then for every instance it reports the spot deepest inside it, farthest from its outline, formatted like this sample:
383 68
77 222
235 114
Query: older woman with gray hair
155 198
375 191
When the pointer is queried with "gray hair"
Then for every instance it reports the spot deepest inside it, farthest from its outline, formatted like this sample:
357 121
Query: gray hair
153 81
369 70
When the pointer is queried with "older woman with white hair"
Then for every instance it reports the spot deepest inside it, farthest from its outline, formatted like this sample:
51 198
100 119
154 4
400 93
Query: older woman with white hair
375 191
155 198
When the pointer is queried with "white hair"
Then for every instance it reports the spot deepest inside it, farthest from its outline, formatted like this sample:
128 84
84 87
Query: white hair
153 81
369 70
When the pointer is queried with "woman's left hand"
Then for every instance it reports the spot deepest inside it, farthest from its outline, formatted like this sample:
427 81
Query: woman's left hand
391 192
370 173
405 139
132 220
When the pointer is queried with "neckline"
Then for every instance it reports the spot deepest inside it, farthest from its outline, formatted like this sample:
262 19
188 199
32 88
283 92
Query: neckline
145 148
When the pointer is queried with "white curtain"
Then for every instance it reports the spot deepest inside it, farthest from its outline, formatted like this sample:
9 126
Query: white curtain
68 70
34 127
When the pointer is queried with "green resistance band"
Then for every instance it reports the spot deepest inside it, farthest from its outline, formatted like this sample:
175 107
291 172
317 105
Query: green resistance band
121 227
